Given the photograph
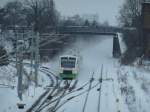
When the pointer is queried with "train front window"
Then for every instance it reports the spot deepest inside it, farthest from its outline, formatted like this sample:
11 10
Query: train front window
68 62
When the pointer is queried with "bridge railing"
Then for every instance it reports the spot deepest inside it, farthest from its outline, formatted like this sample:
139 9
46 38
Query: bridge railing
85 29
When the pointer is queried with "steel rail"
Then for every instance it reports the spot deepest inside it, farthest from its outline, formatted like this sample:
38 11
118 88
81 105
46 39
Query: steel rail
100 89
60 98
87 95
50 97
72 97
46 93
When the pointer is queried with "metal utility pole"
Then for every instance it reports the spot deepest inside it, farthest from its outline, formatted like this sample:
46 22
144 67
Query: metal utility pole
37 57
31 53
16 49
19 64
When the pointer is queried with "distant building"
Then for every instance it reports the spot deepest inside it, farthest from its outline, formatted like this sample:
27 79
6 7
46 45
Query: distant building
90 17
146 1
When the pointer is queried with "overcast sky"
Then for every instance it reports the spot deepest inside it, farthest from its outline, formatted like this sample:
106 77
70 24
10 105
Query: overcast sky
106 9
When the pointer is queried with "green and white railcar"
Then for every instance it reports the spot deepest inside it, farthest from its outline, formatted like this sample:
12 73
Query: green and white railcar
68 67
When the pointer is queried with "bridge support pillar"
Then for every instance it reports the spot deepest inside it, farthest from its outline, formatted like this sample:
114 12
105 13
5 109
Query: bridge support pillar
116 47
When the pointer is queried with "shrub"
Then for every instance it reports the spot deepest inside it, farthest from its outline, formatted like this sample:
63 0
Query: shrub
3 56
134 49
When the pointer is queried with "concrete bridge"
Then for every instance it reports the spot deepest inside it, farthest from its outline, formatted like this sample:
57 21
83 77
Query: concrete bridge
86 30
77 30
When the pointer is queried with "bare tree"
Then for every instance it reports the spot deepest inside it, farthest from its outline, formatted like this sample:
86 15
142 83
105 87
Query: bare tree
11 14
130 12
41 14
130 16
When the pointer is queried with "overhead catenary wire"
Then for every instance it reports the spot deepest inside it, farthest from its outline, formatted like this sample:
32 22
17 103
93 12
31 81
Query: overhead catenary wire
50 41
42 44
79 89
7 86
50 37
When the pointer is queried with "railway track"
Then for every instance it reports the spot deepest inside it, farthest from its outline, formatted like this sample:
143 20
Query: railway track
51 98
45 94
55 98
53 78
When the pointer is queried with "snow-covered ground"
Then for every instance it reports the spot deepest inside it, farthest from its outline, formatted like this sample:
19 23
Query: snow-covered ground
8 90
95 54
127 92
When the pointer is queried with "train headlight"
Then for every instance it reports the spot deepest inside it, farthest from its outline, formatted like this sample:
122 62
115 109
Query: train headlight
74 71
61 71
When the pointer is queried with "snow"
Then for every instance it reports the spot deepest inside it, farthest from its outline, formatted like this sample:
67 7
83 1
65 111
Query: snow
9 95
123 47
127 92
96 53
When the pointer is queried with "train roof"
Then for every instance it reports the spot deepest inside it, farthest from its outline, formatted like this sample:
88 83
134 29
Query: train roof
69 56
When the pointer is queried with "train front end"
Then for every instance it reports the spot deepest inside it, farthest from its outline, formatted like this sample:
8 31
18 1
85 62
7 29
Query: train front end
68 67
